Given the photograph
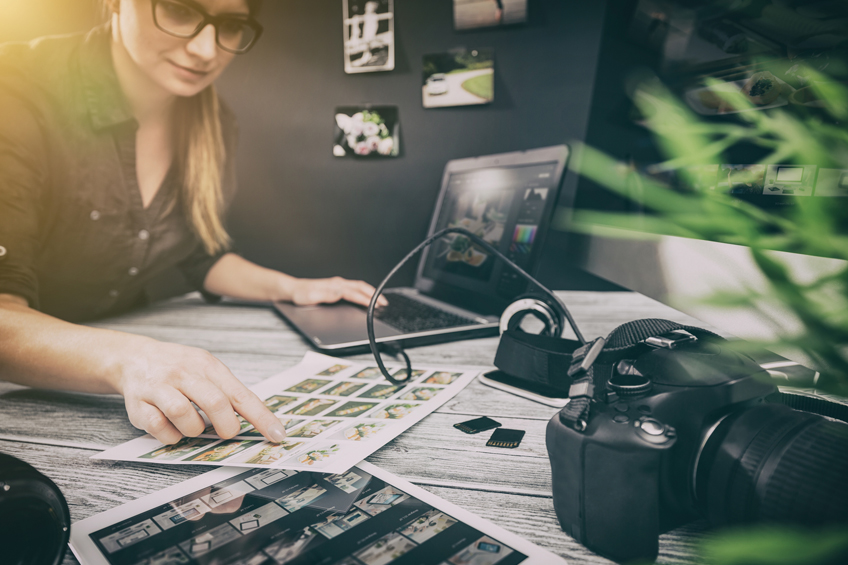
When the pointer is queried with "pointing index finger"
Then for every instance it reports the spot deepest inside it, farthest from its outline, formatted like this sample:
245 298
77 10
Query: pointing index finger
246 403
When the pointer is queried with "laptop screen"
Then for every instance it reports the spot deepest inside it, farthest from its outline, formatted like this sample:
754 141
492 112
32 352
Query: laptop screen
507 207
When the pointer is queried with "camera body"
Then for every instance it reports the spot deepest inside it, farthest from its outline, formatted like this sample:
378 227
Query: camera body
631 474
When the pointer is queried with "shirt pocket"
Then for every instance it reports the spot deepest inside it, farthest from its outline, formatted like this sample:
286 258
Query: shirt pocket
89 241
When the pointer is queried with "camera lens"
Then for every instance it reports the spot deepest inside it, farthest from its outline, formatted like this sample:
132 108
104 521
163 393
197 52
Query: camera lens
34 518
771 463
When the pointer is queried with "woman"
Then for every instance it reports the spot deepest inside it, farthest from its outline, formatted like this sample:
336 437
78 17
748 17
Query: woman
116 161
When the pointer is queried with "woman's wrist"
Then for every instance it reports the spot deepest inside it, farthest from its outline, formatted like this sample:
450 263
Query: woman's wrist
129 355
285 287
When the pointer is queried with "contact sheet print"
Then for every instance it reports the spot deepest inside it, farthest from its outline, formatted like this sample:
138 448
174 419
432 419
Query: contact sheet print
336 413
364 516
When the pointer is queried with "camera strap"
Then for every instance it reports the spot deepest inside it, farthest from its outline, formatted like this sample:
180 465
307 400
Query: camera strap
565 364
547 360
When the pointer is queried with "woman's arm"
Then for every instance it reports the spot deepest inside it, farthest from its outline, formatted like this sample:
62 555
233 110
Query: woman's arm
159 381
237 277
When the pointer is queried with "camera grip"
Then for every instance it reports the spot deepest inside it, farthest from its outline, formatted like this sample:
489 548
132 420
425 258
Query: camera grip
621 502
606 487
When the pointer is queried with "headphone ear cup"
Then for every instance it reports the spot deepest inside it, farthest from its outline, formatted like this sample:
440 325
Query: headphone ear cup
549 312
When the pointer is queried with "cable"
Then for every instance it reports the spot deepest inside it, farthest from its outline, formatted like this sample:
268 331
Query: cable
372 342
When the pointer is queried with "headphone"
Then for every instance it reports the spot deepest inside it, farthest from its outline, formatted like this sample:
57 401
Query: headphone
550 312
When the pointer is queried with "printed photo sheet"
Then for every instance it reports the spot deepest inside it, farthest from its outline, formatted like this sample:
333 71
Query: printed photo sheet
364 516
336 413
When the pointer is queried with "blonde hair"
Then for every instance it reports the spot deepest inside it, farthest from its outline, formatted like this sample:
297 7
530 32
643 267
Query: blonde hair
200 160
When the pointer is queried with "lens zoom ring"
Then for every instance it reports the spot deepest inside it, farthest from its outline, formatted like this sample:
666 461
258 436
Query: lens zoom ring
742 500
807 481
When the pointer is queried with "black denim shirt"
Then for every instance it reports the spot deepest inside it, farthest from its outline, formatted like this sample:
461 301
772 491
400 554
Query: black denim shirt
75 239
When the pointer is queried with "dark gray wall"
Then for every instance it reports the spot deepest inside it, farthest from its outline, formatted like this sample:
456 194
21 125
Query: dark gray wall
305 212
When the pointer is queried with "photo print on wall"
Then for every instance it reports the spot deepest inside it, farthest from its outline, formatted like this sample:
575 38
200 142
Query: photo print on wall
369 36
458 78
367 132
473 14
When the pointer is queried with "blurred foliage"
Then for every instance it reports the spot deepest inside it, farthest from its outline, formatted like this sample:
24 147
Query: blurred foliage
770 545
690 208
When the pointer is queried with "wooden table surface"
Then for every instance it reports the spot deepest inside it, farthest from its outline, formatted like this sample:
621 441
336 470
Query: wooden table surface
57 432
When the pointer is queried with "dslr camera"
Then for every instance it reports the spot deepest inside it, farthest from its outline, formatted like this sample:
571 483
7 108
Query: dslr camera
683 427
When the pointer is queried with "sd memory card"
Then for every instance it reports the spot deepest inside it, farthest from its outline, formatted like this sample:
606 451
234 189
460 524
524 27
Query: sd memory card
477 425
505 438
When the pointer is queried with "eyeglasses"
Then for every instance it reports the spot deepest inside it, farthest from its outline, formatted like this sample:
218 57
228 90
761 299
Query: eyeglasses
232 33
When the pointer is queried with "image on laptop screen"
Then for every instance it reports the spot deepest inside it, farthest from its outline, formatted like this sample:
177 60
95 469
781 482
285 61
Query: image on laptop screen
506 207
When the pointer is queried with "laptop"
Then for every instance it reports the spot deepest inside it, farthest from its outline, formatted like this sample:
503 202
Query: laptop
459 290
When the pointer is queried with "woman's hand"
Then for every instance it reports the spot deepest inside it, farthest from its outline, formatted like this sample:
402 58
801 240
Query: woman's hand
305 292
160 381
239 278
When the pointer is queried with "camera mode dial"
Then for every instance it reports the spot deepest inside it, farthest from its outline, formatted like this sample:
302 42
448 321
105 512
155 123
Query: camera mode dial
626 380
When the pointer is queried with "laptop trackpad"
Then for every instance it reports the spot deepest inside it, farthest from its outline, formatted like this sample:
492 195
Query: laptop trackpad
333 323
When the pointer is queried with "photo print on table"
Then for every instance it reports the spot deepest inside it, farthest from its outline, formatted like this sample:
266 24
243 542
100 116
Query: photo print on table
484 551
274 403
428 525
303 497
320 456
458 78
309 385
393 411
385 550
273 452
348 482
178 450
381 500
345 388
336 524
223 450
369 373
312 407
401 374
313 428
360 431
381 392
369 35
292 543
338 368
367 132
352 409
421 393
229 497
288 424
257 518
441 378
210 540
474 14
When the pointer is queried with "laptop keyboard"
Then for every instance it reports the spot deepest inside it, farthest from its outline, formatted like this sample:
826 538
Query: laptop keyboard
411 316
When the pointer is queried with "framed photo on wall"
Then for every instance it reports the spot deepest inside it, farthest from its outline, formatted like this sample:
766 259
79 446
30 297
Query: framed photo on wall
460 78
367 132
369 36
473 14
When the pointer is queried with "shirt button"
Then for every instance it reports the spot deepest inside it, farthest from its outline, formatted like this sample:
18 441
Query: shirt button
95 215
133 271
114 293
143 234
2 252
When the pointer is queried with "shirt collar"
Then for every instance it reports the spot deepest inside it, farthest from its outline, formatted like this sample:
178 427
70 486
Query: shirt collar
107 104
